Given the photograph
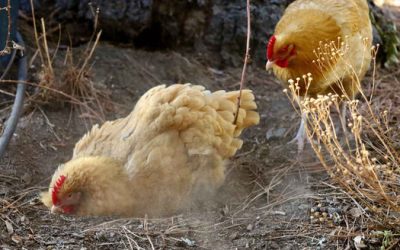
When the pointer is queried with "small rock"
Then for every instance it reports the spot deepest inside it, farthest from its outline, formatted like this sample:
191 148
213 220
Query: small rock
322 242
4 190
16 239
273 245
355 212
26 177
332 210
275 133
234 236
303 207
9 227
249 227
188 242
359 242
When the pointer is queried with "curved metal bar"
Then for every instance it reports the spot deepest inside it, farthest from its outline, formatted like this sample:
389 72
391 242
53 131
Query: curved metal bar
12 121
9 64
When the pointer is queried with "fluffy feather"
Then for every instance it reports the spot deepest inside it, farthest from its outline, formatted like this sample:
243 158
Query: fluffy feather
172 147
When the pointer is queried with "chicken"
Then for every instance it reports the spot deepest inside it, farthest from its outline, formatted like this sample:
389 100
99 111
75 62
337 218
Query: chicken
303 42
170 150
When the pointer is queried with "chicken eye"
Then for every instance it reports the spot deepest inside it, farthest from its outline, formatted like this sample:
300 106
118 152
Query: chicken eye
284 49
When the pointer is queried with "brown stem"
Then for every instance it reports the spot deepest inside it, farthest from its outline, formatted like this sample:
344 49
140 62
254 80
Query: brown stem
246 58
6 49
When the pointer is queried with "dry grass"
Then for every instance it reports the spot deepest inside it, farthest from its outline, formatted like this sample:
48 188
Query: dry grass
7 48
360 154
70 82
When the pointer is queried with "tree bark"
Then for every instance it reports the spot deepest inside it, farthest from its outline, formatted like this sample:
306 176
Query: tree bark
214 27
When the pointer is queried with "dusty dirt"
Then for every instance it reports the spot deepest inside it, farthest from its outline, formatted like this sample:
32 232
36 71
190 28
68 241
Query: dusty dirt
265 203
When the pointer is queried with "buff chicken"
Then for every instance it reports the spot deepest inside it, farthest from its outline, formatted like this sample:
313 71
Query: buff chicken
170 150
331 39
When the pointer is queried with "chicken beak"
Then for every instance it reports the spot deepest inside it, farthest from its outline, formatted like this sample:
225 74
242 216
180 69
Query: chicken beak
269 65
54 209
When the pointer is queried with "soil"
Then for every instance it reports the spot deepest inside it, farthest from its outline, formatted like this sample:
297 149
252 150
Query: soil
266 202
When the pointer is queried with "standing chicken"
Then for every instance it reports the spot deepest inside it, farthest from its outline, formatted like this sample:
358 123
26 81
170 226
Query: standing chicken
170 149
331 39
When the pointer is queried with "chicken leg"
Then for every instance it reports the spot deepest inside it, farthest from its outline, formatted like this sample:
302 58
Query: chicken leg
343 119
347 134
301 134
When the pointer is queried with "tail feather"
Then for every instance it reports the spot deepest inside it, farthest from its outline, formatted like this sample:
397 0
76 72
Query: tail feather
217 110
247 116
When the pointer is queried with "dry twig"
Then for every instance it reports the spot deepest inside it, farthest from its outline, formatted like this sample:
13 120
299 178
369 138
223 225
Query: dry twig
246 58
7 48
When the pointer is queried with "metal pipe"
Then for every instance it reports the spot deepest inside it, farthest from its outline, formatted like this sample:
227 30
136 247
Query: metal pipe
11 124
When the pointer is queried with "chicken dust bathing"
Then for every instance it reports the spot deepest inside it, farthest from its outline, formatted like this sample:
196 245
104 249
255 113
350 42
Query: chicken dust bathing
271 198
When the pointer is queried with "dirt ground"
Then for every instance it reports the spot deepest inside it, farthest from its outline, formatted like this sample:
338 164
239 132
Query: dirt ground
264 204
272 198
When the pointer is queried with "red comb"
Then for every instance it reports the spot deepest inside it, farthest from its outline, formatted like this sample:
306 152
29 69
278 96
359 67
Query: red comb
56 188
270 47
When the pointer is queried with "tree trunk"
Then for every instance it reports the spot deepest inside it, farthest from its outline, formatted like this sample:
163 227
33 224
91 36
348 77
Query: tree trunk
214 27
